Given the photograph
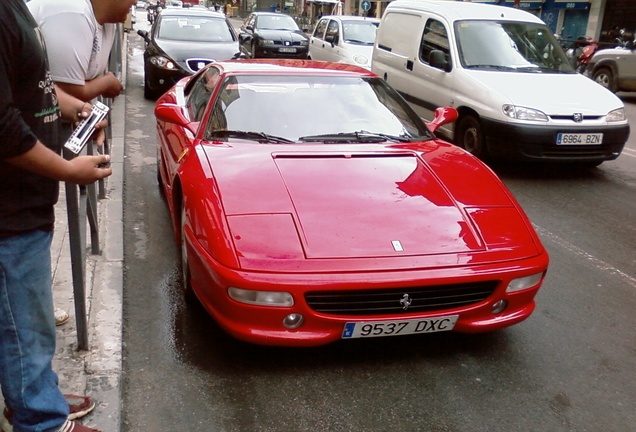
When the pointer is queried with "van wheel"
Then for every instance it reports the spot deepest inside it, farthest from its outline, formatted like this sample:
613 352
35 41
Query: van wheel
605 77
470 137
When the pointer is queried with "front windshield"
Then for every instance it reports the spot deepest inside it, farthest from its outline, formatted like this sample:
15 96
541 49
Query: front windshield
292 107
195 29
506 45
359 32
276 22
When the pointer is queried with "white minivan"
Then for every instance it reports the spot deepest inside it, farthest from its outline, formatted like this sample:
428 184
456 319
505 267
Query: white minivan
344 39
503 70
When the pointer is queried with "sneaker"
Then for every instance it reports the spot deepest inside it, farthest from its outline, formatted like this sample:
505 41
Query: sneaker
78 407
70 426
61 316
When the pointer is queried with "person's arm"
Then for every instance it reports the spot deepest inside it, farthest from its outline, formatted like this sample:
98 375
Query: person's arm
107 85
45 162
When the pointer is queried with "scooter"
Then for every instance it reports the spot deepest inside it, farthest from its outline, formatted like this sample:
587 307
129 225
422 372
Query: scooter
581 51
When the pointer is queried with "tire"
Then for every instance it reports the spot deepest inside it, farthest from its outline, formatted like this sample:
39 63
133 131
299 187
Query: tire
185 268
605 77
148 92
470 137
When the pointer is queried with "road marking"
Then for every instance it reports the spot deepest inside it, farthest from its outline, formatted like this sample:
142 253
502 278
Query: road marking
629 152
599 264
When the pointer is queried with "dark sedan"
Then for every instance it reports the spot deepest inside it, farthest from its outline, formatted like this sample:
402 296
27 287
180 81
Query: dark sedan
272 35
182 41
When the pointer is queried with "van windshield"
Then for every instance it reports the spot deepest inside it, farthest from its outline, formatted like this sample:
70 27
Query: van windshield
510 46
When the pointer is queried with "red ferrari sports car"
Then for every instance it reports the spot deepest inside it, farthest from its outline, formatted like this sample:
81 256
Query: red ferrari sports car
311 204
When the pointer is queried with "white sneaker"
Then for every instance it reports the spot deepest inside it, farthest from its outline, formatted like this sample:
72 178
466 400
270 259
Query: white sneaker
61 316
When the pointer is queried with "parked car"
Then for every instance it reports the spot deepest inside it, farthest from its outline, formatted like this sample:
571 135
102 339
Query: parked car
141 4
180 42
517 94
356 224
614 68
344 39
272 34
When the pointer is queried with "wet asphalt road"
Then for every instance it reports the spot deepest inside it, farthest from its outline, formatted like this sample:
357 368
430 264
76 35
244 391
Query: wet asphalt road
569 367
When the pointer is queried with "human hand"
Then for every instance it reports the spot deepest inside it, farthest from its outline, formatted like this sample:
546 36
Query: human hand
113 87
86 169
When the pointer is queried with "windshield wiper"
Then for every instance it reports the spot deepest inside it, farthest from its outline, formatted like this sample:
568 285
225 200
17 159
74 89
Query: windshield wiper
256 136
359 136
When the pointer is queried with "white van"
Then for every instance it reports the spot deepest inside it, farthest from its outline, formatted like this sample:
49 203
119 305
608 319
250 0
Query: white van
503 70
344 39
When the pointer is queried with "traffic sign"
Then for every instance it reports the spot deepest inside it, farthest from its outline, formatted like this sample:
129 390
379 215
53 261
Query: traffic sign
365 5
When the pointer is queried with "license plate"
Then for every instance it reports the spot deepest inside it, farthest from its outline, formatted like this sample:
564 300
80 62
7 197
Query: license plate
368 329
579 138
287 50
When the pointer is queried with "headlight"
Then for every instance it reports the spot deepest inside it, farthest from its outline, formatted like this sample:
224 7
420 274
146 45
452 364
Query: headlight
304 43
261 298
616 115
266 42
163 62
523 113
360 59
525 282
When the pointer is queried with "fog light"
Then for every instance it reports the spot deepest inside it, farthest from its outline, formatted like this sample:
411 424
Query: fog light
293 321
498 307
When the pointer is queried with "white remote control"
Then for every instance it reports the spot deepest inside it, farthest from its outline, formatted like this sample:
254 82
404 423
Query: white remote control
85 128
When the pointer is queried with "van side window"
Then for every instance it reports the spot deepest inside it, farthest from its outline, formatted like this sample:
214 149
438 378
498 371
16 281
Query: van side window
434 37
320 28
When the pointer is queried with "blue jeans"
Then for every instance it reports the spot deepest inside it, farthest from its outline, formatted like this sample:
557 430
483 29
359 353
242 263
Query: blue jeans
27 334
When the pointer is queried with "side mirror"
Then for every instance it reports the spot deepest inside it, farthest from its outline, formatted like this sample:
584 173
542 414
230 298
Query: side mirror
332 39
172 113
437 59
144 34
443 115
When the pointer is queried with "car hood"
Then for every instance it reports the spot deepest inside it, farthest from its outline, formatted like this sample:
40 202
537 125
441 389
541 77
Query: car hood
553 94
180 51
281 35
303 205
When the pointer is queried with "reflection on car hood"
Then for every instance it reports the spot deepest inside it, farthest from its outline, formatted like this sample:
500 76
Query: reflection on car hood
282 35
365 205
180 51
554 94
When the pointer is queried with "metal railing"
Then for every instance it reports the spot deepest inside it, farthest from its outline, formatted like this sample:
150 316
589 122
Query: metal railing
81 206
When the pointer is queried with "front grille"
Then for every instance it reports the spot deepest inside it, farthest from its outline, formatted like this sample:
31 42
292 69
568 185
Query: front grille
575 151
196 64
285 43
388 301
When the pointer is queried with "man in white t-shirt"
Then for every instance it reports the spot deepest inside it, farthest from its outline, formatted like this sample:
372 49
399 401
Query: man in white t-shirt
79 36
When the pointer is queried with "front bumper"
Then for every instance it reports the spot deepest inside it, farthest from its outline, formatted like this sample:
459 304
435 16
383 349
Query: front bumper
532 142
264 324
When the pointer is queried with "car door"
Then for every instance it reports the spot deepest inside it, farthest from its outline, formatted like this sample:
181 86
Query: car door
317 41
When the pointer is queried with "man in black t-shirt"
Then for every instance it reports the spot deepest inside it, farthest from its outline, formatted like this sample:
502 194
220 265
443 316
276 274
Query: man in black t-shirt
31 109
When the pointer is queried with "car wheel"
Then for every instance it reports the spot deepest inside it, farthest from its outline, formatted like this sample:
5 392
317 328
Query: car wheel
159 180
148 92
185 268
253 49
470 136
605 77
